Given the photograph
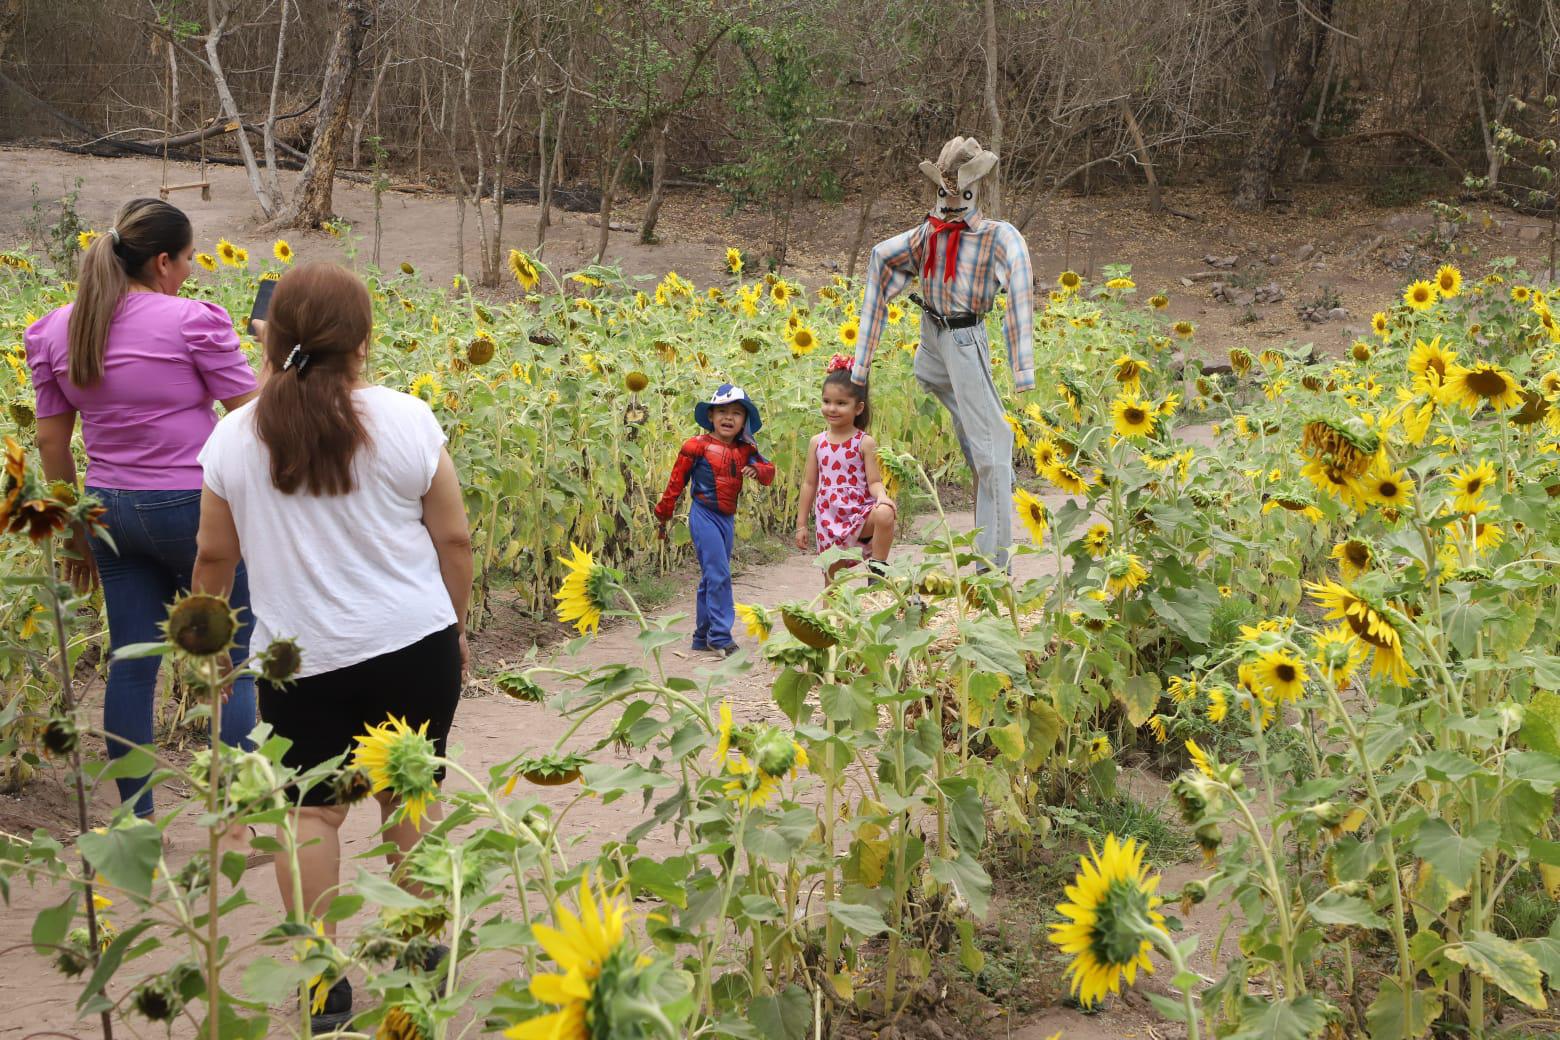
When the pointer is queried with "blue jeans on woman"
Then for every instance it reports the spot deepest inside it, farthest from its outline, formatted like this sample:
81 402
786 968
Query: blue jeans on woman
151 561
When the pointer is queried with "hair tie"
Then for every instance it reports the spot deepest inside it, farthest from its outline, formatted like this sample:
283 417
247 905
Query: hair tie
113 233
840 361
296 357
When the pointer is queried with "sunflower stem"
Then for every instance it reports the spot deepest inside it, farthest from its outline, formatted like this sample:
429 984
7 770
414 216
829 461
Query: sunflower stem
212 679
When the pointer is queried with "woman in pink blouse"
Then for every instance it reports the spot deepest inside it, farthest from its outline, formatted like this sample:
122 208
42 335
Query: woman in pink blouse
141 365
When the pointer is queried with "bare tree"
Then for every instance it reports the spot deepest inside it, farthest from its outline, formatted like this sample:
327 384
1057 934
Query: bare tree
1285 96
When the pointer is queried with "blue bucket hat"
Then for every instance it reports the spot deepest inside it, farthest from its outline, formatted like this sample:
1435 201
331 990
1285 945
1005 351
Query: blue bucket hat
726 393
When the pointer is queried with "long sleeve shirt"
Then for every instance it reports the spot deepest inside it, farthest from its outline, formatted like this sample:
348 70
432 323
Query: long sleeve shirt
992 255
714 469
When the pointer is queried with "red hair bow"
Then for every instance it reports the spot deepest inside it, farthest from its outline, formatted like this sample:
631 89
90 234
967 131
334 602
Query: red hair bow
840 361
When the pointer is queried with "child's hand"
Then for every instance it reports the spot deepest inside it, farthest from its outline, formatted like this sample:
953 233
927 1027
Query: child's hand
801 536
750 471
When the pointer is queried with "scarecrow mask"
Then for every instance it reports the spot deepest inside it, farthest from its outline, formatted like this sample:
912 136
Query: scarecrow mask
957 172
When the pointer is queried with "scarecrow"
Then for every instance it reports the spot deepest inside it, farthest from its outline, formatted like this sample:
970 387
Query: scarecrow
962 260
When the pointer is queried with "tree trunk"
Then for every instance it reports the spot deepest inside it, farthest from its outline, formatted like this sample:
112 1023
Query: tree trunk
272 182
1156 204
858 240
608 190
369 108
230 106
1277 126
310 205
657 183
991 190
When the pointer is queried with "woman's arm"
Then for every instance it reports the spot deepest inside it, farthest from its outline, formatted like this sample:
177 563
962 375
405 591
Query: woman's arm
216 546
875 488
809 493
444 515
229 404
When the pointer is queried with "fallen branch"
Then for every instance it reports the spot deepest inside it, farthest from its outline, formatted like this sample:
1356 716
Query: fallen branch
1310 141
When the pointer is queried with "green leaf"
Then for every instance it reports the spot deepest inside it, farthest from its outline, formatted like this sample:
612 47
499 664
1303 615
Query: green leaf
50 926
790 694
1337 908
970 954
968 879
1139 695
1390 1017
1299 1019
271 981
1546 951
664 880
1045 728
1008 739
1502 963
1454 856
126 855
857 917
786 1016
1537 768
1541 722
967 813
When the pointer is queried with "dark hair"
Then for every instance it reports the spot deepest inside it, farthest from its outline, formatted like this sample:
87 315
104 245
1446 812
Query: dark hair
305 414
146 229
841 377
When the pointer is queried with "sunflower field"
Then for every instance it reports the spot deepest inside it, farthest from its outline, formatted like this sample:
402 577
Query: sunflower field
1317 594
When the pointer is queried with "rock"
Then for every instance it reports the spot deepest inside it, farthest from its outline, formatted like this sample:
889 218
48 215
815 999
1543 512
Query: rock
1529 233
1224 263
931 1029
1272 292
1338 314
1274 260
1202 276
1186 282
1305 252
1244 298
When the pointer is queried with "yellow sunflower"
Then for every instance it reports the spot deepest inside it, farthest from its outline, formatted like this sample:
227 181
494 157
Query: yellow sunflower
1280 674
84 240
1420 295
1132 417
1338 654
1129 373
1069 281
734 260
755 619
1067 478
1431 364
1368 624
524 270
1385 486
1200 759
1033 513
1121 283
1181 689
583 595
582 945
849 333
1123 572
1097 541
227 252
1379 324
780 293
802 340
282 251
1183 329
1046 454
1483 383
1448 280
427 387
1520 294
1159 301
240 257
1110 911
206 260
400 760
1218 705
1354 556
1469 483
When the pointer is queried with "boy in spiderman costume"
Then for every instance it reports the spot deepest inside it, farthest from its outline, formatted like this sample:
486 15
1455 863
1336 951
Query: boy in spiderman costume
715 464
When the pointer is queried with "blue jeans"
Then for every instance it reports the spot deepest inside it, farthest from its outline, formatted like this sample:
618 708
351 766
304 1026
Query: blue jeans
714 534
152 560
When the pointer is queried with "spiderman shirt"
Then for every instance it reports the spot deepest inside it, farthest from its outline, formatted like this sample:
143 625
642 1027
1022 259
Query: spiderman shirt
713 468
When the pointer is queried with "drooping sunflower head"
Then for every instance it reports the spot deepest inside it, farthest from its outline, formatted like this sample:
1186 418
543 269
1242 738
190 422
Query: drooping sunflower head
400 760
1132 417
1111 918
523 268
1183 329
1033 513
1123 572
1420 295
1348 444
1240 360
585 592
480 350
403 1021
1354 556
756 620
201 625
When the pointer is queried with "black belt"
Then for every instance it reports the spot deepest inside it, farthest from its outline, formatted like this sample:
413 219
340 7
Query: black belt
946 321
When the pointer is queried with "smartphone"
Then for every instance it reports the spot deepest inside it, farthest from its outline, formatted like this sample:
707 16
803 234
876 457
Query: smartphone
262 302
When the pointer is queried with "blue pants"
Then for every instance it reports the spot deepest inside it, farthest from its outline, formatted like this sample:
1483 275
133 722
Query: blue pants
714 533
151 560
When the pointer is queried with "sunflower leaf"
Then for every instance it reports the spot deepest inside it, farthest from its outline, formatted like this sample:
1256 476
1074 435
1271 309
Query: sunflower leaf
785 1016
1391 1017
1502 963
1454 856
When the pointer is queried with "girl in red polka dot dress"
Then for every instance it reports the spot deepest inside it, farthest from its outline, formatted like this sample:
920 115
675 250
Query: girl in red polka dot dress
843 487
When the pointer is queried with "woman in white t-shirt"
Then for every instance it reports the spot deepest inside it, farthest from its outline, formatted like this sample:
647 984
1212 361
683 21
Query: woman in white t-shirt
343 501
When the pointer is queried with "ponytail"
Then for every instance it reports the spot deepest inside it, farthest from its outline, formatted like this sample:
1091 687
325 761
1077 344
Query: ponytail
319 316
144 230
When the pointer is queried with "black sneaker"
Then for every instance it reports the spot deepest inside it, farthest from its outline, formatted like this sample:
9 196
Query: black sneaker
431 959
337 1011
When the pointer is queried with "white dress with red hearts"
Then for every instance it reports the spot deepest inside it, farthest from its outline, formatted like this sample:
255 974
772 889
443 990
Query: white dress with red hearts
843 501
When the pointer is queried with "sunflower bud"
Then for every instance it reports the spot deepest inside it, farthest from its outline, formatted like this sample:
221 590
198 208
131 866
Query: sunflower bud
935 583
774 751
72 960
479 351
156 1000
483 315
351 786
1360 351
1189 798
539 824
1208 839
521 687
195 875
407 268
636 381
1192 894
201 624
281 661
60 736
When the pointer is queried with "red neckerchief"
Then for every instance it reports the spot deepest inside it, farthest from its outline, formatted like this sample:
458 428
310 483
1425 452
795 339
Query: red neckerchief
954 228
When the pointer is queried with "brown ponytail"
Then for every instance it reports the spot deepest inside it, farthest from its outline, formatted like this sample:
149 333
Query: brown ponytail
145 229
320 316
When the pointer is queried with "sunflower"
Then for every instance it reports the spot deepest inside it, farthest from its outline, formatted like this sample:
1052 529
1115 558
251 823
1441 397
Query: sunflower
400 1023
1181 689
1070 393
755 619
1097 541
1431 364
849 333
780 293
282 251
1046 454
524 270
1218 705
1099 749
1110 911
84 240
1385 486
1200 759
206 260
1448 280
1338 654
1520 294
1124 571
1367 623
1069 281
1240 360
1379 324
1020 438
1157 724
803 340
1121 283
1033 513
1293 501
400 760
1067 478
583 595
427 387
1354 556
1280 674
1549 385
1159 301
1129 372
1333 479
749 786
1132 417
733 260
1487 537
240 257
584 946
1420 295
227 252
1469 483
1183 329
1483 383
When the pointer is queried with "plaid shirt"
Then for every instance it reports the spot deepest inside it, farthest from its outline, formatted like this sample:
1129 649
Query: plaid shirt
992 254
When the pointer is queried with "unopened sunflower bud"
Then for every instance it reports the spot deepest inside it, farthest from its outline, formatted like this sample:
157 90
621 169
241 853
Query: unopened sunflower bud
60 736
407 268
1192 893
540 825
72 960
775 752
282 660
194 875
156 1000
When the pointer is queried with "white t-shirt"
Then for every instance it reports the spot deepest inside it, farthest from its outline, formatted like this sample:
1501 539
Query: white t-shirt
353 576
